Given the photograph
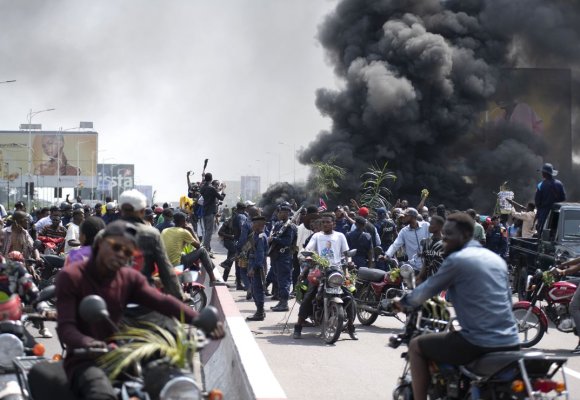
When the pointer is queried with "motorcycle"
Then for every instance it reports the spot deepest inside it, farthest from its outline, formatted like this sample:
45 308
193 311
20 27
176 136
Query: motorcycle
332 295
151 378
190 285
532 317
16 342
501 375
373 286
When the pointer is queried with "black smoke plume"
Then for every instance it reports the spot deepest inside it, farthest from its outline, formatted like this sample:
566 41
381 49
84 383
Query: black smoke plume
278 193
416 78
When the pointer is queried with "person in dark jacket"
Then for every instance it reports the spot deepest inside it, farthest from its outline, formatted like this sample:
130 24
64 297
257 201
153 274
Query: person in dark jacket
548 192
497 238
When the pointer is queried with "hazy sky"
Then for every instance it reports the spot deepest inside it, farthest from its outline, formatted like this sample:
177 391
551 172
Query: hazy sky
169 83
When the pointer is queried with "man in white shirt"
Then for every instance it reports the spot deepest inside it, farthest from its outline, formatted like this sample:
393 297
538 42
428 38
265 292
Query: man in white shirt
72 239
331 245
527 217
410 237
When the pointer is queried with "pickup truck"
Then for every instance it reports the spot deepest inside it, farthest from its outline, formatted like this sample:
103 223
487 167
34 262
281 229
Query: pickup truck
559 241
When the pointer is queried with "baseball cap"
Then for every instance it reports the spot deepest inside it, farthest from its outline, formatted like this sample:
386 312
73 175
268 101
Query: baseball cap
363 212
249 203
110 206
134 198
121 228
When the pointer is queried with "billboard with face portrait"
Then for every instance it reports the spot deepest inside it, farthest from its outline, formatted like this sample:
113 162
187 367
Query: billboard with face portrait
49 158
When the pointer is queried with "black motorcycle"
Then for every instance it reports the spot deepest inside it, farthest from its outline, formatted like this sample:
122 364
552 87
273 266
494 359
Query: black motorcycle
332 294
153 377
499 375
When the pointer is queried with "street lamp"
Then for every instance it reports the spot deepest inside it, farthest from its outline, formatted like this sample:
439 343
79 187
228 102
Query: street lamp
31 115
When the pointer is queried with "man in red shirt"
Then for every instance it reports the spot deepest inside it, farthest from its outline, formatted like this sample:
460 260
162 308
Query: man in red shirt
103 274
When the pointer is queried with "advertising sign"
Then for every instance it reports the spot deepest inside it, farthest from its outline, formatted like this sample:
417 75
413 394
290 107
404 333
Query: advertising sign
49 158
113 179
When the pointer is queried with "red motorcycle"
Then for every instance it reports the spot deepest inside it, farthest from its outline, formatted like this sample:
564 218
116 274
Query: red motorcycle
532 317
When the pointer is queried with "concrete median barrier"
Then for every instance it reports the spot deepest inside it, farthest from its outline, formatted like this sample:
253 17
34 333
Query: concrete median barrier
235 364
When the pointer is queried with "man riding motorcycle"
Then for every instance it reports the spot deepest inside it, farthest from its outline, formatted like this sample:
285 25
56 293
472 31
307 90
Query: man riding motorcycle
477 283
331 245
103 274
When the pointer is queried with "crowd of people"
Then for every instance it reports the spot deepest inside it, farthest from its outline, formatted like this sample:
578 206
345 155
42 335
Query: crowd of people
446 248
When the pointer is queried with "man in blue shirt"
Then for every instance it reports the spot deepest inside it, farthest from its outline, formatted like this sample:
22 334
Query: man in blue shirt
361 240
256 258
477 283
548 192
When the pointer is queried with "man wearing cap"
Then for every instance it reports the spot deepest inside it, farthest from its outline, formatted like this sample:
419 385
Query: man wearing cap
149 242
361 240
105 274
410 237
256 259
548 192
281 249
167 220
343 223
369 227
240 219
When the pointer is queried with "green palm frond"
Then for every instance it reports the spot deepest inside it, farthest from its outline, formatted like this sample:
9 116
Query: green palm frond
327 177
375 194
147 341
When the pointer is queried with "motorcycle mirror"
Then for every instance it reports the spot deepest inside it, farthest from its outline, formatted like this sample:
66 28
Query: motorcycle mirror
351 253
93 309
408 275
46 294
306 253
207 319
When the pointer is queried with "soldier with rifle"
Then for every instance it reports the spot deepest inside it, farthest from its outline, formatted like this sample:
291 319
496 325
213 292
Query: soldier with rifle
258 246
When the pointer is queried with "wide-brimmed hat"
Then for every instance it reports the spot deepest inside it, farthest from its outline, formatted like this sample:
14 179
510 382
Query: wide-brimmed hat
548 169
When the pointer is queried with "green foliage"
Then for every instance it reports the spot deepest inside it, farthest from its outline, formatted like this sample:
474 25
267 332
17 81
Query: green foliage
150 340
374 190
327 177
321 261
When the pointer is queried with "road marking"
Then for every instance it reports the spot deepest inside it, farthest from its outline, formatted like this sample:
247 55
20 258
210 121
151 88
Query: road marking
571 372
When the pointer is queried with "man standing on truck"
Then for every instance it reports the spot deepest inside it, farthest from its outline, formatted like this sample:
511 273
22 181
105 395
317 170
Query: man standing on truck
548 192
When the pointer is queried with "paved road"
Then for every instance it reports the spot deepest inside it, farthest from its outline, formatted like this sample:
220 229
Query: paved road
366 368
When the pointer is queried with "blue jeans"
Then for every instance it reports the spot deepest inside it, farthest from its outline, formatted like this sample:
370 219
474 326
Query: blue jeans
208 224
283 265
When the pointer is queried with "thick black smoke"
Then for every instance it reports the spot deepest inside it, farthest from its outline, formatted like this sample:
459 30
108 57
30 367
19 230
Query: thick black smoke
416 78
279 193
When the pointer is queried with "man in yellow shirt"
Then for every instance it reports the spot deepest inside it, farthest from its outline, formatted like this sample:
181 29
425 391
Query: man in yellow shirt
176 238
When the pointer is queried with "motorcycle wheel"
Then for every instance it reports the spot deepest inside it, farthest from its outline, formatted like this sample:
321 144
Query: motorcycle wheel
333 326
198 298
366 317
530 329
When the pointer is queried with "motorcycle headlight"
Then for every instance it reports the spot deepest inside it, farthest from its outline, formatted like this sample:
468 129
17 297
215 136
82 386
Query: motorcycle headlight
180 388
10 348
335 279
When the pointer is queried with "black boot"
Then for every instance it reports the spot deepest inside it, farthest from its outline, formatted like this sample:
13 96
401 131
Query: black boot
249 294
297 331
281 306
226 272
352 332
260 315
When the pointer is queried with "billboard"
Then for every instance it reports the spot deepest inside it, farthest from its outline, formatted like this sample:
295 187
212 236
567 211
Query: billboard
48 158
113 179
